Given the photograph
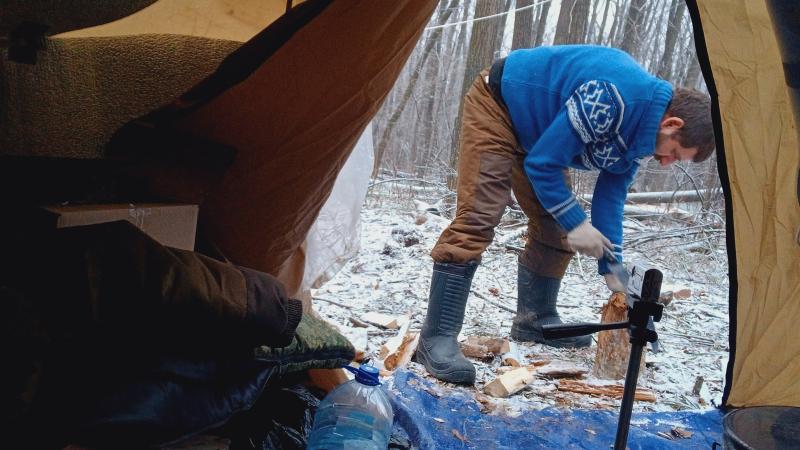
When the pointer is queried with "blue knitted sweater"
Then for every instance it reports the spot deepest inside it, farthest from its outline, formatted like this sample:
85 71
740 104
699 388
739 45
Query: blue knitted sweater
589 108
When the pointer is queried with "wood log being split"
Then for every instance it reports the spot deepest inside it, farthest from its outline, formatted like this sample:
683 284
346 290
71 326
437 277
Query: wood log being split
613 346
604 390
509 383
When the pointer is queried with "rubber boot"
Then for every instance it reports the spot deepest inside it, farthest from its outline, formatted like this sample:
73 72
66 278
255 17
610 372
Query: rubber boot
438 349
536 306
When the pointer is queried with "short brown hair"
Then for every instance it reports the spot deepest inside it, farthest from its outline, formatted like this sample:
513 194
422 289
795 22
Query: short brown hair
694 107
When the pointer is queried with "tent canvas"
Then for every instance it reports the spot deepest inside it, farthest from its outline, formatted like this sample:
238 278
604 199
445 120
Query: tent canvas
293 99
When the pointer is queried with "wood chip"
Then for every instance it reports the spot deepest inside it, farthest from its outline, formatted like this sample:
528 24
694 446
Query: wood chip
511 357
476 351
698 385
459 436
604 390
681 433
665 435
495 345
509 383
486 402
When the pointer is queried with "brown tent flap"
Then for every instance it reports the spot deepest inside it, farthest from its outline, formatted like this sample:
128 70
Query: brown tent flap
762 159
294 121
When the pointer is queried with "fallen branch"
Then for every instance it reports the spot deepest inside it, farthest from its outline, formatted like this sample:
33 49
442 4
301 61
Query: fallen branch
333 302
488 300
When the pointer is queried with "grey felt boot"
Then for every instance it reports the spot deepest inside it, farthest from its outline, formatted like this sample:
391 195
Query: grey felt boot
536 306
438 349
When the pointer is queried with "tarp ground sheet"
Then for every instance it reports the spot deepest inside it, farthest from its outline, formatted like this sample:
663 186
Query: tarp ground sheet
430 422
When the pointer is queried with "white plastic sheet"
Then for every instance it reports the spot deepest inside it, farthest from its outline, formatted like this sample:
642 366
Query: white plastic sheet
335 236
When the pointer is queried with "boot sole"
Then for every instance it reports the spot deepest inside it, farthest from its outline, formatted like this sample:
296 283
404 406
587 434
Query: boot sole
451 376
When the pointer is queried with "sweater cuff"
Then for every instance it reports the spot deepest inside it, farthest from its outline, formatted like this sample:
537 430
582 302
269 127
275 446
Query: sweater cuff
571 218
602 263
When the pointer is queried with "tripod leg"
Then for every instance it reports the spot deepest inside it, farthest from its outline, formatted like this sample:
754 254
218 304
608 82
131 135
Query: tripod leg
631 378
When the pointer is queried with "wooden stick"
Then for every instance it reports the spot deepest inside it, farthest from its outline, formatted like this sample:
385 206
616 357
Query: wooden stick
604 390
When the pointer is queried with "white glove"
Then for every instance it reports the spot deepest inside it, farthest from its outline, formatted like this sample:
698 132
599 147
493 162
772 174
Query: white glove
586 239
613 283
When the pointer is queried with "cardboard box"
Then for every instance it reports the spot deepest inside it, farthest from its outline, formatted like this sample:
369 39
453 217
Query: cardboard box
173 225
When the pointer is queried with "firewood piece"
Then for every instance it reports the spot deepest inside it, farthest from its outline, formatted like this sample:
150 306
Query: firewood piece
384 320
509 383
613 346
671 292
604 390
560 369
511 357
496 345
404 352
476 351
393 343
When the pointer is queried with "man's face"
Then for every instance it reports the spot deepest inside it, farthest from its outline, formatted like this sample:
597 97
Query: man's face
668 149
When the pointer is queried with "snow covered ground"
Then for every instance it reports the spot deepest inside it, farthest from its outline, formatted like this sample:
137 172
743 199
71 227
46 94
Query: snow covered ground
391 274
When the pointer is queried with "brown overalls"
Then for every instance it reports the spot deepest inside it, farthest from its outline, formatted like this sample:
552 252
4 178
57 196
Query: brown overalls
490 164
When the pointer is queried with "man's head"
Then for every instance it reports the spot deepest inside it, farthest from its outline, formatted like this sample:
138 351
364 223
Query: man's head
686 132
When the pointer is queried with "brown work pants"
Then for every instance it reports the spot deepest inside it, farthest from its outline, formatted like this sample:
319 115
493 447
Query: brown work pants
490 164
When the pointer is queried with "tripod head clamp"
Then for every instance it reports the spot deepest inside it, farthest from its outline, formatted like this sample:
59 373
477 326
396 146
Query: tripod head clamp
643 290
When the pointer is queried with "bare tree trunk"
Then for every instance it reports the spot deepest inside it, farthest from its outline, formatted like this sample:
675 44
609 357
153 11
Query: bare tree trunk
603 23
631 37
523 25
563 24
619 19
693 75
541 24
483 43
445 12
673 30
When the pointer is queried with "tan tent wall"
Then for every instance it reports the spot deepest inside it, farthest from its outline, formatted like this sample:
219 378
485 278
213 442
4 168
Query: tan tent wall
233 20
293 123
82 90
761 154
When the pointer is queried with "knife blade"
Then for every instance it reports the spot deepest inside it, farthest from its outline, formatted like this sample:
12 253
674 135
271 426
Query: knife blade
617 269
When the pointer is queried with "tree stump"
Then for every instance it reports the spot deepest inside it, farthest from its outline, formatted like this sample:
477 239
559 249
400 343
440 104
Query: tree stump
613 346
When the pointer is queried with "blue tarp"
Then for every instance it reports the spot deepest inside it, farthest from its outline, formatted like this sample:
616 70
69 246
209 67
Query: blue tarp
416 406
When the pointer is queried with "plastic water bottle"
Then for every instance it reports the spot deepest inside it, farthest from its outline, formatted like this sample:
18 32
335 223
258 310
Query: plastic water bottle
356 415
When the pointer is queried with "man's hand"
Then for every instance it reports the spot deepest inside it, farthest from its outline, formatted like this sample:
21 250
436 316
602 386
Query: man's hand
613 283
586 239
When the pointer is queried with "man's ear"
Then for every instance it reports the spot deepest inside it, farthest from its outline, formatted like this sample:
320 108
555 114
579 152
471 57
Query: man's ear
671 122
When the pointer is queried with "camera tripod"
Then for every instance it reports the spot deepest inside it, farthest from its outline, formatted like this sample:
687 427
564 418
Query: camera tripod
643 289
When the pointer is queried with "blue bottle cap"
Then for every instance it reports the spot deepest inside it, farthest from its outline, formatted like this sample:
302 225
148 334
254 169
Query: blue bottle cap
365 374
